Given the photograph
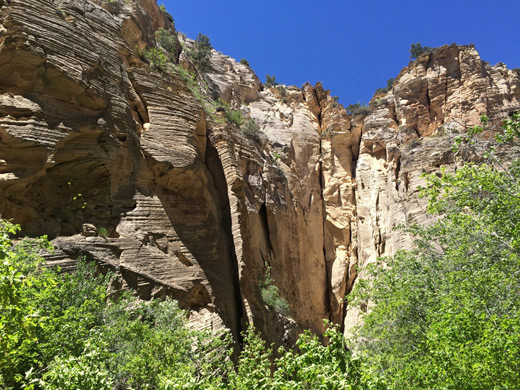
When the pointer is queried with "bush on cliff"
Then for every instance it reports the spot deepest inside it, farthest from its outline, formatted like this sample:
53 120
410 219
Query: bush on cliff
201 53
416 49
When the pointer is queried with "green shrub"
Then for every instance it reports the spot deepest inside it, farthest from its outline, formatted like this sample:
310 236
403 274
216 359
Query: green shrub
102 232
201 53
358 109
61 331
389 85
270 292
250 127
163 10
245 62
270 81
233 116
416 49
311 365
167 41
155 57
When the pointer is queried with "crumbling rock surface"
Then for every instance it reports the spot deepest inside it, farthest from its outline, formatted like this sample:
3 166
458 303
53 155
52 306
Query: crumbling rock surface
118 161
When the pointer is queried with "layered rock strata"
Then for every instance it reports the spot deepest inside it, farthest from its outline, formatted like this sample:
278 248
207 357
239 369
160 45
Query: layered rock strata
124 163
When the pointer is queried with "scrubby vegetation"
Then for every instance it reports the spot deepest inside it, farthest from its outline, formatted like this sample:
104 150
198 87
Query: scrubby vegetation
163 10
389 85
245 62
270 292
358 109
270 81
201 53
62 331
446 315
155 57
416 49
167 41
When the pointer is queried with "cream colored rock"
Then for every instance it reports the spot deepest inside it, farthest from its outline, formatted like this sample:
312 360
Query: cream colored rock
410 131
181 203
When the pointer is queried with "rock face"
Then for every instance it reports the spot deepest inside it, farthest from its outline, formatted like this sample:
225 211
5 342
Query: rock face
124 163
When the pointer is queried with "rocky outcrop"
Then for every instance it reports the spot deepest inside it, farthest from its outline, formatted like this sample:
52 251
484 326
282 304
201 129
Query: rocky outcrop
410 131
128 165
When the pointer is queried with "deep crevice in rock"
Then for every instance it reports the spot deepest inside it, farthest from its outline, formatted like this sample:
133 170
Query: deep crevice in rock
216 170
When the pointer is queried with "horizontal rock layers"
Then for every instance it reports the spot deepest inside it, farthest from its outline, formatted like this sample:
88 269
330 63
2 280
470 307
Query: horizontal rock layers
121 162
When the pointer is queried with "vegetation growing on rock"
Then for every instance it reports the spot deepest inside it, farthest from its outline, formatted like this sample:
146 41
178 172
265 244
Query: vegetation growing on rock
416 49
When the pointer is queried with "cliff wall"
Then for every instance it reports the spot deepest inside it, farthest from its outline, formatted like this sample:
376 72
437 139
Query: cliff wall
124 163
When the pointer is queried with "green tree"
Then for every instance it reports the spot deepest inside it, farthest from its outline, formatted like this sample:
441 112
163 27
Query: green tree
358 109
270 292
61 331
167 41
446 315
416 49
155 57
270 81
201 53
312 365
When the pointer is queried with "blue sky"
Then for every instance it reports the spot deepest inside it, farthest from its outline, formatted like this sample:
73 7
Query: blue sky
351 47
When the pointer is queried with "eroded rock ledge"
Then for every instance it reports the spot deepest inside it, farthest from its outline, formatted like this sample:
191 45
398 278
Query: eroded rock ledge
118 161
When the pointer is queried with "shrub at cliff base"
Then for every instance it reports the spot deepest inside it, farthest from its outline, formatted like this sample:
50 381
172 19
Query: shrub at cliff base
62 331
446 315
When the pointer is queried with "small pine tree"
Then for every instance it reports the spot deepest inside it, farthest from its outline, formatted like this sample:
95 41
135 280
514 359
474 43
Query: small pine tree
245 62
416 49
270 81
201 53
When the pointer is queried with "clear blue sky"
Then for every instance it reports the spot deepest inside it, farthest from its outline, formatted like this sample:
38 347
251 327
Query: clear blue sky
351 47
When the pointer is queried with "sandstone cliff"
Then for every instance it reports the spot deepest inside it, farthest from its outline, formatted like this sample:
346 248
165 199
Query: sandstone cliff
124 163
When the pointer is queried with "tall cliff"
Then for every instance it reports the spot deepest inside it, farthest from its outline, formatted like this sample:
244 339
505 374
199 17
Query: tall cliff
124 163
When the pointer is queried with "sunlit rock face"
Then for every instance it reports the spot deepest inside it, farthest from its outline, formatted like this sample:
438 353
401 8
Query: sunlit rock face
123 163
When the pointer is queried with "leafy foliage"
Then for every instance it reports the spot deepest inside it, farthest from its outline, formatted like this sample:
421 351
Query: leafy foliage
167 41
270 292
250 127
312 366
163 10
233 116
270 81
389 85
446 315
201 53
416 49
155 57
358 109
245 62
62 332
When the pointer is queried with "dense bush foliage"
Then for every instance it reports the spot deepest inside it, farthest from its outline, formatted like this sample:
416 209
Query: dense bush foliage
312 366
416 49
358 109
62 331
155 57
270 81
167 41
446 315
201 53
271 293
